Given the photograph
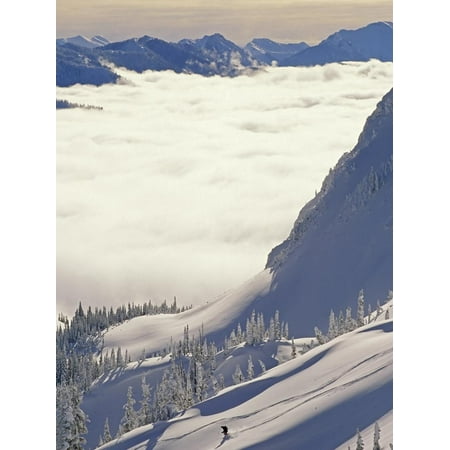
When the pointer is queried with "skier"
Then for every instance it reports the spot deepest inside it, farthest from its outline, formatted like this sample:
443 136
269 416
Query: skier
224 430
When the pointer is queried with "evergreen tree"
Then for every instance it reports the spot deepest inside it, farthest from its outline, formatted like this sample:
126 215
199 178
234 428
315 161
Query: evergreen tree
360 313
189 395
249 332
113 361
277 325
349 321
215 384
390 296
341 323
332 326
129 420
376 437
286 331
64 418
379 309
250 371
293 349
359 441
145 413
238 376
220 382
271 329
386 315
263 366
239 335
319 336
106 433
202 383
80 419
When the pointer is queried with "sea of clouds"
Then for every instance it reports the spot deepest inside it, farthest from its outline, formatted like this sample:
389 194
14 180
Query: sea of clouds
182 184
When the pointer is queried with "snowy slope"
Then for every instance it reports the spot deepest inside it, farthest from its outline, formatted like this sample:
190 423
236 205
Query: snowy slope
315 401
82 41
108 394
266 50
153 333
340 243
371 41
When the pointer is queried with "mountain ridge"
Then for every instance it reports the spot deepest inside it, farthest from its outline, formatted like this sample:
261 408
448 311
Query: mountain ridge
211 55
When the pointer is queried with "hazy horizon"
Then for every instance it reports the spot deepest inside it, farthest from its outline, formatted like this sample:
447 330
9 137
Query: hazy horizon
240 21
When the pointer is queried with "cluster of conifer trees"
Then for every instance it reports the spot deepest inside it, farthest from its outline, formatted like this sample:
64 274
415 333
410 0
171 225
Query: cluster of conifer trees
191 376
376 439
78 340
341 324
78 364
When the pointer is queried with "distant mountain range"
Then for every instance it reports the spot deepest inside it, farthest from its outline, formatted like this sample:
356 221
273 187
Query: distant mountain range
85 61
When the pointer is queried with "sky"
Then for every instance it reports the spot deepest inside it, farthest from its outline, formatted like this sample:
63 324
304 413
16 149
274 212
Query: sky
238 20
182 184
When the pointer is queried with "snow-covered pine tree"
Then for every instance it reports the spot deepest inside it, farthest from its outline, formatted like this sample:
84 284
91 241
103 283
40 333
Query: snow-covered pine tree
341 323
250 371
360 313
359 440
376 437
202 382
64 418
238 376
319 336
145 413
261 327
233 339
119 358
286 330
239 336
389 296
293 349
277 325
349 321
271 329
386 315
80 419
189 394
186 340
220 381
113 359
106 433
263 366
129 420
249 333
332 326
379 308
214 384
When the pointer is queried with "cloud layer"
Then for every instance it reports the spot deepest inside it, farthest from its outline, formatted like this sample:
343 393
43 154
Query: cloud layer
182 184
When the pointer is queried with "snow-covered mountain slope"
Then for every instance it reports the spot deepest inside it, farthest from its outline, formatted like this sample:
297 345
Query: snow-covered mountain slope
216 55
266 50
315 401
153 333
371 41
76 64
82 41
340 243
